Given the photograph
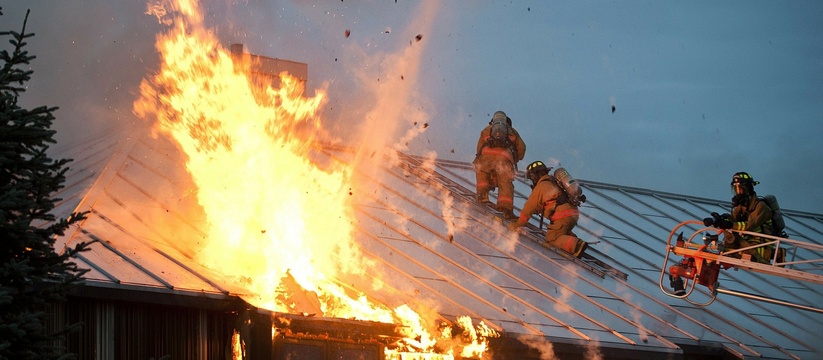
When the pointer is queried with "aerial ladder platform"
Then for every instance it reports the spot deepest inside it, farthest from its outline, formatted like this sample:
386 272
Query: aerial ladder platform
703 257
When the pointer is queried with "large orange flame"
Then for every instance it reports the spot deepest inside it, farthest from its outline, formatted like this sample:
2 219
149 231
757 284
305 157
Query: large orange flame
259 191
274 217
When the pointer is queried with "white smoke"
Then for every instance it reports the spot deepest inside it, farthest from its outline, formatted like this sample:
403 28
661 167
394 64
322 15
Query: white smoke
541 344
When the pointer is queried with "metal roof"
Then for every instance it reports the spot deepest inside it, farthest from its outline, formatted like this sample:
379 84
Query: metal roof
437 248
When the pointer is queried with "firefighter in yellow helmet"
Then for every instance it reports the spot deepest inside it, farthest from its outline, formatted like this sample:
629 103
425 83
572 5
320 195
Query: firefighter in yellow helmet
499 148
549 199
749 213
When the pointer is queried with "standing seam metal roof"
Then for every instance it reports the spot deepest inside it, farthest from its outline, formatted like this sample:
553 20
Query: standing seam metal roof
436 248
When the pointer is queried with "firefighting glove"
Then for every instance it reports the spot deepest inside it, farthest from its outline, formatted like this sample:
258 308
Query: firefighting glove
709 221
721 221
723 224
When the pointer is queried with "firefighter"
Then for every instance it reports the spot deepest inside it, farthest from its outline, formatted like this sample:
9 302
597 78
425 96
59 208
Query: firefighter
549 199
749 213
499 148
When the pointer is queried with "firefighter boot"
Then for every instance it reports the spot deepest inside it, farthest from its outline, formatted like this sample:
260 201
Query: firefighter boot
508 214
781 257
768 255
483 198
580 248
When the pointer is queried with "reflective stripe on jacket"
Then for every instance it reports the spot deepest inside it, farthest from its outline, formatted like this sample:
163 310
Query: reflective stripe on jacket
498 152
564 213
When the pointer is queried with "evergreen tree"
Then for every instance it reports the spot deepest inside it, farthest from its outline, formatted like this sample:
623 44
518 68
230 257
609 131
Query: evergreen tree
33 276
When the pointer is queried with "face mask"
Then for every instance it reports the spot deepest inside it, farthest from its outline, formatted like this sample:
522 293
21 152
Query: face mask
740 199
738 189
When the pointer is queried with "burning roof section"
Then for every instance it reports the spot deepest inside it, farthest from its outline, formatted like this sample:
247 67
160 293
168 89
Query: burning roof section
433 248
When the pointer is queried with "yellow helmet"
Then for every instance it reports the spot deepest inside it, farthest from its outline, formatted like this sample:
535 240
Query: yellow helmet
743 183
535 171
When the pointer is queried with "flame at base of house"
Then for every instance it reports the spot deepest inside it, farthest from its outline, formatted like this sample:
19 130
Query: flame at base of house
297 335
417 356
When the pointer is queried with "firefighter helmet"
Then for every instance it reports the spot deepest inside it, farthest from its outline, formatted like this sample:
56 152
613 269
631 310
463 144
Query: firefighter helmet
535 171
743 183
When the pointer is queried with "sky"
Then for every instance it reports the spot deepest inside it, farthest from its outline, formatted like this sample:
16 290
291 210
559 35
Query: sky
700 89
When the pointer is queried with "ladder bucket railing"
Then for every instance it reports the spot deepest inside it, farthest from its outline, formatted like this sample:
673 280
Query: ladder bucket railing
802 261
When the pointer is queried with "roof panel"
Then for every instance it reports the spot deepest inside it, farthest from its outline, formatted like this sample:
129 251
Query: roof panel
118 265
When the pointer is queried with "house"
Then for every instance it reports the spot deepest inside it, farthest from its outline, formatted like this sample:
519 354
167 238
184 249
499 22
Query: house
145 296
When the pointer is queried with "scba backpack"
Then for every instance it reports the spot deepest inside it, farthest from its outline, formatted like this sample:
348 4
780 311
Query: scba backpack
569 186
778 225
499 134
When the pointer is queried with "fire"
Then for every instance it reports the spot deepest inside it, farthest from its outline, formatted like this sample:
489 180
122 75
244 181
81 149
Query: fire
274 217
476 335
260 193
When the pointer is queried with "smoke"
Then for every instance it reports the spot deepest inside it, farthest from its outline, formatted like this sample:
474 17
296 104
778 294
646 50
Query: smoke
593 351
625 294
562 305
541 344
383 109
546 349
454 224
390 81
511 240
89 63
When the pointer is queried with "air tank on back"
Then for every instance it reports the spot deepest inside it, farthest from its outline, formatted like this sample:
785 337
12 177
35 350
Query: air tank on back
570 185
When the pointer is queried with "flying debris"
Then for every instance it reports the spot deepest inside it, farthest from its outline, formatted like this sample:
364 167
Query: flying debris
418 37
613 109
348 32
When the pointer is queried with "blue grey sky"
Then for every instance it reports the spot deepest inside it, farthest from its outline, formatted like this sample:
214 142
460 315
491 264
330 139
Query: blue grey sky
701 89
